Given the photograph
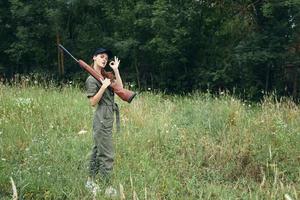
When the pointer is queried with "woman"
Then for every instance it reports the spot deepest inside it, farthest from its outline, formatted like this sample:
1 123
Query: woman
102 95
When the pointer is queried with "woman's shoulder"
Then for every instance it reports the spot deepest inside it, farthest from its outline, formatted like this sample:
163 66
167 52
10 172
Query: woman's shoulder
92 82
91 79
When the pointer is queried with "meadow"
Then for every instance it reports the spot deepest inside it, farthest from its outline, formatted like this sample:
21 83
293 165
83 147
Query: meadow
198 146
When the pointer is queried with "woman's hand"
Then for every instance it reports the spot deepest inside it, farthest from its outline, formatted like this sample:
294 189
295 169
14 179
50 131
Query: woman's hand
106 82
115 66
94 100
115 63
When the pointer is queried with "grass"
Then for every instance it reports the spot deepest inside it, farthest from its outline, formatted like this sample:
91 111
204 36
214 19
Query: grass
170 147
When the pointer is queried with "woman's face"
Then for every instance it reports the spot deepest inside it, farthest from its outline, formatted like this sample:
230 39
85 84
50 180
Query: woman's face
101 59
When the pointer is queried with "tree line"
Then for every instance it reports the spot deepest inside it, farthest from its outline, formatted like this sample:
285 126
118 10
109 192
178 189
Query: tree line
245 46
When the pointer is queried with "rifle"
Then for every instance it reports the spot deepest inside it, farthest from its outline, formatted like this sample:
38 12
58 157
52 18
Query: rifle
123 93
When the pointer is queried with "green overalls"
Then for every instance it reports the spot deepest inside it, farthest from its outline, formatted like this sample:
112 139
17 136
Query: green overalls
102 157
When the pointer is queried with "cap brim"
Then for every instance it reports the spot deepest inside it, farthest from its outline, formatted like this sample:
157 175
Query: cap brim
102 50
109 54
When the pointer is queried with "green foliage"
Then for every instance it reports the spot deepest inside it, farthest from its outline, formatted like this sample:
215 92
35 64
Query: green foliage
171 147
174 46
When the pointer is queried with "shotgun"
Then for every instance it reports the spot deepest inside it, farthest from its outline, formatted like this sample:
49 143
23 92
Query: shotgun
124 94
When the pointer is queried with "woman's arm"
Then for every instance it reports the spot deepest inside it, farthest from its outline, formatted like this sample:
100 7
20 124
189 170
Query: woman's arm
94 100
118 77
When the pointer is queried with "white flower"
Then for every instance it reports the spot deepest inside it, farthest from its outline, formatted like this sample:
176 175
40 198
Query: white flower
23 101
81 132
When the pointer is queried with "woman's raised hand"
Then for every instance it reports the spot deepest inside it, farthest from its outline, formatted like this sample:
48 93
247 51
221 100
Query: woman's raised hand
115 63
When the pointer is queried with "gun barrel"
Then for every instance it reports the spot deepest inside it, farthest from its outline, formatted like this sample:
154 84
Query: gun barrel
65 50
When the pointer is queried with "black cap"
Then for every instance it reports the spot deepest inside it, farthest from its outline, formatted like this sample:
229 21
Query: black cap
102 50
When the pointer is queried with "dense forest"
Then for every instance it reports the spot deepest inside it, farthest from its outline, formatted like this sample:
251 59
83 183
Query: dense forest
248 47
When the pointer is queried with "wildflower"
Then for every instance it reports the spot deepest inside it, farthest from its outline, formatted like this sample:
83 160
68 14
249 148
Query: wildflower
287 197
81 132
110 192
23 101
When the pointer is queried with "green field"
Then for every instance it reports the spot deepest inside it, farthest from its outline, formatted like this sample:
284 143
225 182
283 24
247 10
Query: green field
170 147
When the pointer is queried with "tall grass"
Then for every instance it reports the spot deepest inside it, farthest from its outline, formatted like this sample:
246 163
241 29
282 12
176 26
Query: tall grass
170 147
